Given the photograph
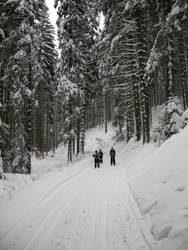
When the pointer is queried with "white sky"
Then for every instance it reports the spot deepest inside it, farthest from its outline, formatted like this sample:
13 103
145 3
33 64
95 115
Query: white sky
101 24
53 16
52 11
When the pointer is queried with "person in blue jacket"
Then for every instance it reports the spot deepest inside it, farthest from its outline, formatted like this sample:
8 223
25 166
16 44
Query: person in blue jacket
100 156
96 159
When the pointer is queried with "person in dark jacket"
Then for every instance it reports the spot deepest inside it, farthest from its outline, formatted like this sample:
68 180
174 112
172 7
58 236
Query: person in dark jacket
112 156
100 156
96 159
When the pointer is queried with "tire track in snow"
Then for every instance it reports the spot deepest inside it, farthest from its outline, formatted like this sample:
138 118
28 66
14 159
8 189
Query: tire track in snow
100 228
118 241
78 234
103 232
64 182
115 239
35 226
51 212
64 214
71 212
52 219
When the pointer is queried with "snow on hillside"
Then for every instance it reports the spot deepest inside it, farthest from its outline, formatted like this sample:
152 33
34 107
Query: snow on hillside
158 179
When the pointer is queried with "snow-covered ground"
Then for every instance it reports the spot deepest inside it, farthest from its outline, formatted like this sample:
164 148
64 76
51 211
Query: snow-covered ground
139 204
160 186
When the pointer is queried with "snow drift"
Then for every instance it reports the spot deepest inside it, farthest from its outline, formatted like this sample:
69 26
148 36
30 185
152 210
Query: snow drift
159 183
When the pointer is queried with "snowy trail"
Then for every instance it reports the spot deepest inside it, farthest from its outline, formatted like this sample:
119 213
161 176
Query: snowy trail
89 210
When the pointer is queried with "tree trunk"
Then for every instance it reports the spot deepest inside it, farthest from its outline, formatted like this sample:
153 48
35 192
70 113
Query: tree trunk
170 68
106 111
78 137
142 58
82 136
182 68
137 113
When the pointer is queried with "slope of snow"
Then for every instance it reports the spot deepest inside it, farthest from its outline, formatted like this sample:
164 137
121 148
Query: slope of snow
159 182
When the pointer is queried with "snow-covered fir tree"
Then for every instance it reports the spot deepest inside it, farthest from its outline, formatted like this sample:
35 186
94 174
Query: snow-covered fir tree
76 31
21 71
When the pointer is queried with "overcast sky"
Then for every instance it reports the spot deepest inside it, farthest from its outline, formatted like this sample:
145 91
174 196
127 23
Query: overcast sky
53 14
52 11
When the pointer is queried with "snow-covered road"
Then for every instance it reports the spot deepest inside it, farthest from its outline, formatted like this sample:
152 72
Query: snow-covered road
78 208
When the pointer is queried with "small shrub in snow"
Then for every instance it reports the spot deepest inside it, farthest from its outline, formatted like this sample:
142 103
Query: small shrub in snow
2 176
170 121
120 135
185 117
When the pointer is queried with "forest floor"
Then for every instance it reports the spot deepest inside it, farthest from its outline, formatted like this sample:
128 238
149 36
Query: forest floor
141 203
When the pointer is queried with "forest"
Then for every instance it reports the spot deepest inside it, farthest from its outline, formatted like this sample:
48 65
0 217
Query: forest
117 74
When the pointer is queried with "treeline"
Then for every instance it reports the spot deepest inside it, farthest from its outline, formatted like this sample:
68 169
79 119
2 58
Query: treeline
138 61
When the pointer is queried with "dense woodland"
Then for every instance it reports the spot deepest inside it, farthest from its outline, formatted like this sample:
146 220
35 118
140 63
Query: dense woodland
137 61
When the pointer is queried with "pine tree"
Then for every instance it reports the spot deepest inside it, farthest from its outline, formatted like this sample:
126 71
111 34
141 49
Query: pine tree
45 91
76 32
22 70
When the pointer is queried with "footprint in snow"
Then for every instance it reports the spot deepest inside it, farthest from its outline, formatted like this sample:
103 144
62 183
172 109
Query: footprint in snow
185 212
180 189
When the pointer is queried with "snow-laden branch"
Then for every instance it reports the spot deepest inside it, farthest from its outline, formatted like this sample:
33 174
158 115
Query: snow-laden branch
152 60
126 29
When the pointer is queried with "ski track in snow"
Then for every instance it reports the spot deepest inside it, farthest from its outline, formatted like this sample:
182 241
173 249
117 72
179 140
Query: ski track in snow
90 210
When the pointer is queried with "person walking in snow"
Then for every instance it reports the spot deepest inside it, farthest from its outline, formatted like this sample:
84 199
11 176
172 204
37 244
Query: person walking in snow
112 156
96 159
100 156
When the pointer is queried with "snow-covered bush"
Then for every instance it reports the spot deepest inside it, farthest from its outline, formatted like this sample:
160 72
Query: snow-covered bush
185 117
1 169
120 135
170 121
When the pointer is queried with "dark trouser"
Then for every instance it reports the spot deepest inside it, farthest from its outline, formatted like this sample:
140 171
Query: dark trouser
112 160
101 160
97 164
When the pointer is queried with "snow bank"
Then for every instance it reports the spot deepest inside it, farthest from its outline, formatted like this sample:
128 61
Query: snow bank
158 179
50 162
12 182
